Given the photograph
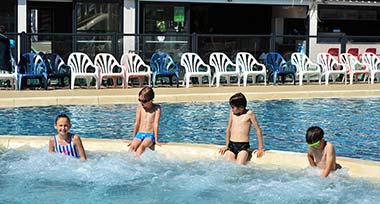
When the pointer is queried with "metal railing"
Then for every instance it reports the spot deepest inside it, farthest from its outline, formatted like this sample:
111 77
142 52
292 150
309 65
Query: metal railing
176 44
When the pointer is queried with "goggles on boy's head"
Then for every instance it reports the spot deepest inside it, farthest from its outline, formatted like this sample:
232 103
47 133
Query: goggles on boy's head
315 144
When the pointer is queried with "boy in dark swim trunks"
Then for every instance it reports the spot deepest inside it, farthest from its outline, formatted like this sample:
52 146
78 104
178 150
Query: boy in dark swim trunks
237 133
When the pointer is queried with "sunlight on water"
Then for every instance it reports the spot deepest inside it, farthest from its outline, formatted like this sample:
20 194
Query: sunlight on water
35 176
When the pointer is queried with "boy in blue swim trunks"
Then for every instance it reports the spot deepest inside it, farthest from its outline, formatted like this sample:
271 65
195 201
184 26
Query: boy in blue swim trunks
237 133
146 123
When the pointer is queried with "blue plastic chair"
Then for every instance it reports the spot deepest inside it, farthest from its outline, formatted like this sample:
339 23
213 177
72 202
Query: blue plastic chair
32 66
163 65
279 67
56 67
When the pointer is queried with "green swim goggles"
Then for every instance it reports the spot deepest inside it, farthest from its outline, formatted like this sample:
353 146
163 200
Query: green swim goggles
315 144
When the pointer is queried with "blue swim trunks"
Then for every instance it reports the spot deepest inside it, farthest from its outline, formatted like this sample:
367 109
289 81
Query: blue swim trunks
143 135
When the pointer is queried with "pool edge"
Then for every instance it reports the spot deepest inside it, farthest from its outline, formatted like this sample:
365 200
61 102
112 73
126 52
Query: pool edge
356 168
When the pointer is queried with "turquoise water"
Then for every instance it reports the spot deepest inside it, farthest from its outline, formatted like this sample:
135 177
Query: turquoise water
34 176
352 125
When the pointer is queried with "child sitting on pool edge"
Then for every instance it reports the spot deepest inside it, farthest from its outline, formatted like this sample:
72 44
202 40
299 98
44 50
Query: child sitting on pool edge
145 130
320 153
65 142
237 133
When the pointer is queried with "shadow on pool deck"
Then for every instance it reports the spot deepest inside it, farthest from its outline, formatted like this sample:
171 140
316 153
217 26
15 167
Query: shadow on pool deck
11 98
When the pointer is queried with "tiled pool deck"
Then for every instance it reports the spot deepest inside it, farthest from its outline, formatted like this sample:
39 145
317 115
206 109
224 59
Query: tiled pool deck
11 98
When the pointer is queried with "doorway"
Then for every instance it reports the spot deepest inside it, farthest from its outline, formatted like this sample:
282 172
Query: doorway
46 23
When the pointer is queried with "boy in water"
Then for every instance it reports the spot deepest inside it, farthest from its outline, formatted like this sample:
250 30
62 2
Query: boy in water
146 124
237 133
321 153
65 142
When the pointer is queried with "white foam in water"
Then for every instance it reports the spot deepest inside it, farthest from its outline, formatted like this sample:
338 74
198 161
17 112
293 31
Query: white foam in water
35 176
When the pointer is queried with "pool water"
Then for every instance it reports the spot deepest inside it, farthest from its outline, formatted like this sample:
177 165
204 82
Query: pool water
352 125
34 176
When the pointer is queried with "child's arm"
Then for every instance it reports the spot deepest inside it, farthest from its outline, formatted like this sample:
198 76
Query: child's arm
311 158
155 125
330 155
51 145
260 149
137 120
228 135
78 144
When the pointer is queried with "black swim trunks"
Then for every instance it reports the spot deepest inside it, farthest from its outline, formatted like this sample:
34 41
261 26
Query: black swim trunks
236 147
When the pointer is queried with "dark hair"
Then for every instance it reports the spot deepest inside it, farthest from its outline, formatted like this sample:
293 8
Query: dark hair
314 134
62 115
238 100
147 92
2 29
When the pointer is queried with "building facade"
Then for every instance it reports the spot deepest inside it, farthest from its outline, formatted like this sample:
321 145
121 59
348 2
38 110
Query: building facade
143 26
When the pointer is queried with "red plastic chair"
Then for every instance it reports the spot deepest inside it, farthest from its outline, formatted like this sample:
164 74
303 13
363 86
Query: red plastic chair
371 50
333 51
353 51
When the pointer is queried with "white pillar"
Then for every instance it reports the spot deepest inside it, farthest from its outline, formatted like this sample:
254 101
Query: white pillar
129 24
21 22
313 30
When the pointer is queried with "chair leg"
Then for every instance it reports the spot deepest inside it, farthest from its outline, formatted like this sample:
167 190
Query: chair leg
245 80
300 79
72 82
187 81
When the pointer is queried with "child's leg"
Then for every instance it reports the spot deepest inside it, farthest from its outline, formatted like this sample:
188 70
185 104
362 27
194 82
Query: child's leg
134 144
147 142
229 156
242 157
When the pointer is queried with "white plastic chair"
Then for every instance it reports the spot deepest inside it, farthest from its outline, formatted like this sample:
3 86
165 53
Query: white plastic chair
11 76
354 66
248 65
305 67
194 67
372 61
330 66
135 67
107 66
223 67
79 63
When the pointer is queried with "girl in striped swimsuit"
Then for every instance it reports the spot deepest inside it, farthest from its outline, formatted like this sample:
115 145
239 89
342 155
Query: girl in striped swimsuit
65 142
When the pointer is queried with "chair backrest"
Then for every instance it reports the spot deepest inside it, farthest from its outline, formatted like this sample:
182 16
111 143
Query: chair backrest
192 62
163 62
245 61
132 63
333 51
328 62
371 50
221 62
300 61
275 61
106 62
349 60
80 62
353 51
371 60
32 63
54 63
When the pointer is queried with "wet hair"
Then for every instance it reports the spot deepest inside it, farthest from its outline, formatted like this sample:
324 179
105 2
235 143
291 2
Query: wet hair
314 134
238 100
62 115
147 93
2 29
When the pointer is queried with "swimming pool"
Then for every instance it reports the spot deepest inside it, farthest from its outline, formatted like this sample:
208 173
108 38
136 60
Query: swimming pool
351 124
34 176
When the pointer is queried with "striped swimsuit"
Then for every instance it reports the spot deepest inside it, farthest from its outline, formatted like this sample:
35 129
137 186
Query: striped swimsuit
69 149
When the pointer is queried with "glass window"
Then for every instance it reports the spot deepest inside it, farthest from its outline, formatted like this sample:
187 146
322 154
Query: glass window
98 17
336 21
8 15
165 18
